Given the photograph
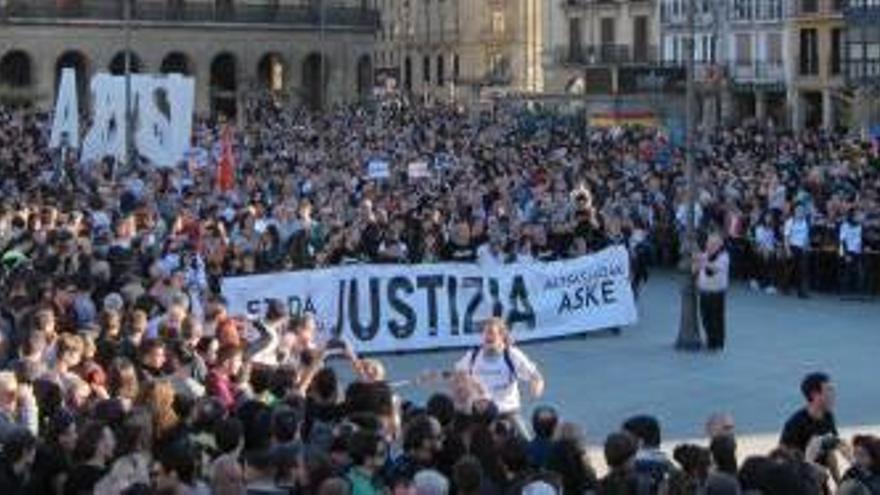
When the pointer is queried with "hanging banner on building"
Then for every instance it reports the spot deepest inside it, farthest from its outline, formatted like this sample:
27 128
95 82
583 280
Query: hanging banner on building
382 308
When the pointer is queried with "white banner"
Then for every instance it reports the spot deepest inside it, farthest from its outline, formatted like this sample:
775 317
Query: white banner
382 308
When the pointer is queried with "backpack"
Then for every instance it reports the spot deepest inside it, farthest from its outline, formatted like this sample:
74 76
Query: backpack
508 360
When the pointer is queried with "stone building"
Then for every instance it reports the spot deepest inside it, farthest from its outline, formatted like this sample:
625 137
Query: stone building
233 48
459 49
862 61
815 84
592 40
756 59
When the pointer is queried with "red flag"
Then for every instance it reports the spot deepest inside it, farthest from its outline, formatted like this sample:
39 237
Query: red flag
226 165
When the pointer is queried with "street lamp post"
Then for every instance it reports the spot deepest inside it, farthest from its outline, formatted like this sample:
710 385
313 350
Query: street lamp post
323 75
129 125
688 333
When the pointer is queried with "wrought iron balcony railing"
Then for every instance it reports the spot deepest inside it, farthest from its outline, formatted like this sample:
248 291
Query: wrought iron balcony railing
53 11
606 54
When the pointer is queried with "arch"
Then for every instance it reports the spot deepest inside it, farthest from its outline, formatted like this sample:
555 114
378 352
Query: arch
117 64
224 85
272 72
364 76
314 81
177 63
77 61
16 70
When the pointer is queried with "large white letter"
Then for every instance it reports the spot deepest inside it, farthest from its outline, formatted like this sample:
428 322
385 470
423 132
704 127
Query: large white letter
107 135
182 94
65 123
165 108
153 132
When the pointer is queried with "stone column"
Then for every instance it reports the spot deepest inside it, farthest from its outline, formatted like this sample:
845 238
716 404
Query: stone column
710 110
761 106
202 74
795 110
827 109
863 111
726 96
43 68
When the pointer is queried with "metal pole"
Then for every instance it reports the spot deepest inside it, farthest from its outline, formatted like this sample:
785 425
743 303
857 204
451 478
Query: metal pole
129 127
323 89
688 333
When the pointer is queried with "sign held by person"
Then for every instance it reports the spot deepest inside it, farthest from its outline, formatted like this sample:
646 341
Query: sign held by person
161 111
382 308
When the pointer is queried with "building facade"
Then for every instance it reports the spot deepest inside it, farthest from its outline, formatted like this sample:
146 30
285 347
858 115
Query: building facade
592 40
233 48
816 82
862 61
458 49
714 102
756 59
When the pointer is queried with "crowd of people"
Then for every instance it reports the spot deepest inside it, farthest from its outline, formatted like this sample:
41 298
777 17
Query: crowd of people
124 372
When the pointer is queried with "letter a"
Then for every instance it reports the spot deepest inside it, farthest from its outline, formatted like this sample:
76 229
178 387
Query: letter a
66 119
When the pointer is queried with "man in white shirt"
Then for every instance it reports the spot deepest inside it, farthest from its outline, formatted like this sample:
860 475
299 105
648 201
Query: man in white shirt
712 268
498 367
850 251
796 234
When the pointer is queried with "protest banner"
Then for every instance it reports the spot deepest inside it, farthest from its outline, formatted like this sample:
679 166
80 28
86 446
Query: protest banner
418 170
383 308
378 169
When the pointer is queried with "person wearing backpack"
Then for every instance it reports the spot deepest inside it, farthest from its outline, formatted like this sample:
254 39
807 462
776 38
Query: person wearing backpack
498 366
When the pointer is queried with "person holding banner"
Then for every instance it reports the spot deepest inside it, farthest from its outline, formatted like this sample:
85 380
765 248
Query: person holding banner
498 366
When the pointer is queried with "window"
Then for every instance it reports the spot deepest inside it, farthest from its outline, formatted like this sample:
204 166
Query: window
497 22
456 68
441 69
774 48
575 49
426 69
742 9
743 49
607 31
640 38
836 48
809 52
809 6
713 47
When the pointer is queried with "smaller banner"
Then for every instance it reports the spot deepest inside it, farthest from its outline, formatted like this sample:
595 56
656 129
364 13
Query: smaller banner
383 308
378 169
419 170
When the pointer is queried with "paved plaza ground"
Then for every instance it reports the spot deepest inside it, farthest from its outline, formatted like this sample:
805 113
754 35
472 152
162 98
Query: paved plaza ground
599 380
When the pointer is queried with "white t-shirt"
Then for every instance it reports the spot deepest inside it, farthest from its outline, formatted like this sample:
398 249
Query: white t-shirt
494 374
797 232
765 238
851 238
720 277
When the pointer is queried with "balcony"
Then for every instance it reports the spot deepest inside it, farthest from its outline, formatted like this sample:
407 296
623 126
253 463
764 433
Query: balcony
862 12
605 55
806 9
111 11
758 73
